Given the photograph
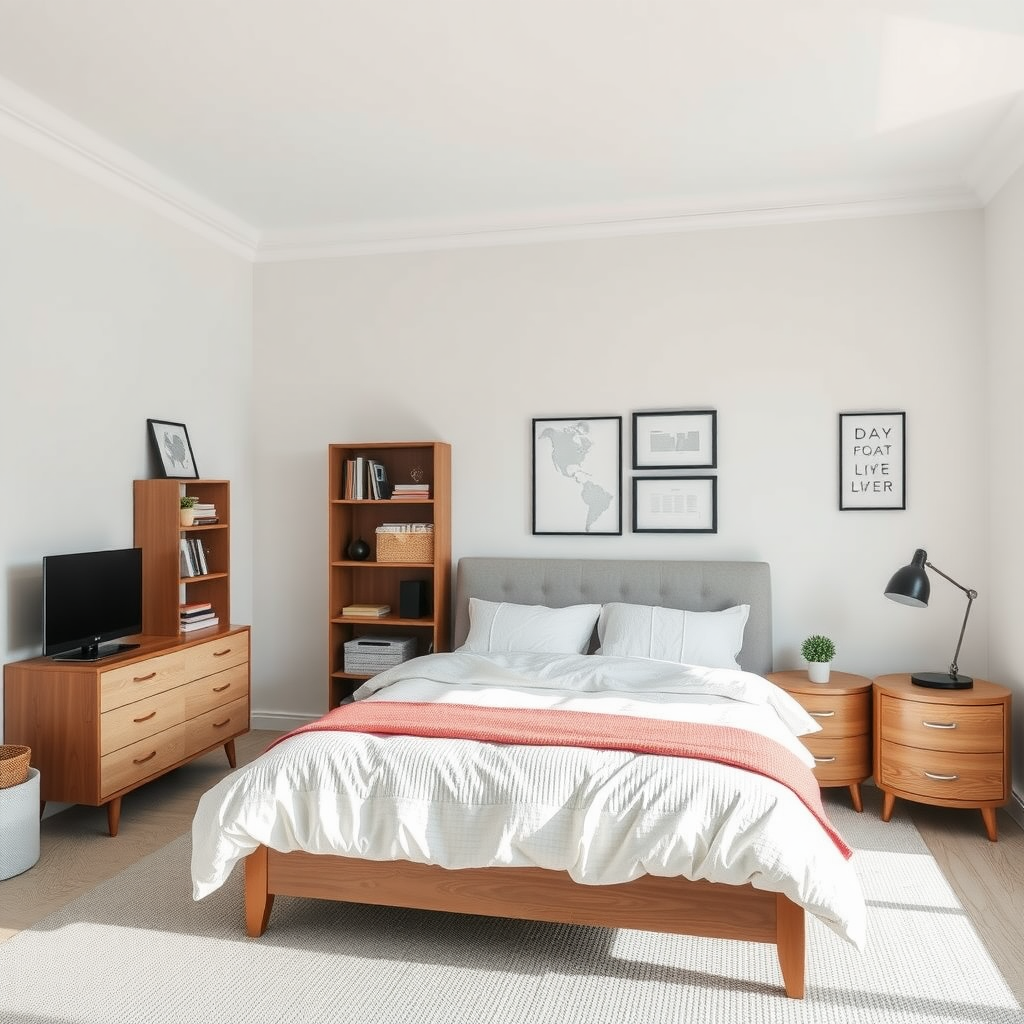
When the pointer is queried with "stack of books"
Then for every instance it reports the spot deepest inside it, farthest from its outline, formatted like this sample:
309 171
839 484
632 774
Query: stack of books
411 492
197 615
367 611
206 513
193 557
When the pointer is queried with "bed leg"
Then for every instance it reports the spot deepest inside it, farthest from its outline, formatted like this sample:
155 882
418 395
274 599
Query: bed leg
258 900
789 938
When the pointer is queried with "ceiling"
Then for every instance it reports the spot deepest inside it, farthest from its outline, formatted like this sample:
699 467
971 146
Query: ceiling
288 128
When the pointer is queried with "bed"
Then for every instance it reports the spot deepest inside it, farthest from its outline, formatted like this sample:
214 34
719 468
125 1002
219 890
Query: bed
730 883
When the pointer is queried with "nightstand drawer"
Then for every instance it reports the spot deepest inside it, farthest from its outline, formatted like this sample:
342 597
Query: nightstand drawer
839 759
845 715
939 775
132 764
931 726
216 655
143 718
120 686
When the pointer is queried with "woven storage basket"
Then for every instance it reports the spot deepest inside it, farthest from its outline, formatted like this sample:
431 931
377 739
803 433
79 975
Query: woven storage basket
14 760
405 547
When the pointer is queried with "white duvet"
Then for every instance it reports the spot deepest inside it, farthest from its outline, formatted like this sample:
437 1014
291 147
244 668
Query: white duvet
602 816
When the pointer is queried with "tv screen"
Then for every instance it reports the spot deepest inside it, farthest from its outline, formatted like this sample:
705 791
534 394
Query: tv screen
89 599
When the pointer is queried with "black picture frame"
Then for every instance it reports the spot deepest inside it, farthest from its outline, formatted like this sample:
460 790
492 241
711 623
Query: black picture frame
173 449
872 461
683 439
675 504
577 475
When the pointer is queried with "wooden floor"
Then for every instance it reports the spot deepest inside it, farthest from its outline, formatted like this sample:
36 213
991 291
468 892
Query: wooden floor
77 854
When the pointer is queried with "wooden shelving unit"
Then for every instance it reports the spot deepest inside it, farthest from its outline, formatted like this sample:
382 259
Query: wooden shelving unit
158 531
374 582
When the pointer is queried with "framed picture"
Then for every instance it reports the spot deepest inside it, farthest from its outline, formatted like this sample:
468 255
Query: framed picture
675 504
872 460
173 449
577 475
675 440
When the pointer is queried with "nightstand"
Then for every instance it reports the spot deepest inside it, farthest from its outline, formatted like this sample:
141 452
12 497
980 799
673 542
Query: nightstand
950 748
842 707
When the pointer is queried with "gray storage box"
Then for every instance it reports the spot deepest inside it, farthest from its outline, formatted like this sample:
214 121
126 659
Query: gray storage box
367 655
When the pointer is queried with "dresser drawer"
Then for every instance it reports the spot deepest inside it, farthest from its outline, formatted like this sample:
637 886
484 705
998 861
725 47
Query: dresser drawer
142 718
216 655
956 727
130 765
839 759
202 695
120 686
217 726
839 714
941 775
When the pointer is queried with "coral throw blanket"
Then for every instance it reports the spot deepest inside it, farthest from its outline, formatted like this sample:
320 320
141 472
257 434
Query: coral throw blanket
739 748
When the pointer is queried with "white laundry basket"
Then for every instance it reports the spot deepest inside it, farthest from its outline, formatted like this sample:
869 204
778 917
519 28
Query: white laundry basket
19 826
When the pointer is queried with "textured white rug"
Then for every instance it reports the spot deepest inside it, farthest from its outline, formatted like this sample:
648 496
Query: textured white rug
137 948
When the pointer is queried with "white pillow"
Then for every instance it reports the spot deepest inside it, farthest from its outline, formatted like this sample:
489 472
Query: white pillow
711 639
499 626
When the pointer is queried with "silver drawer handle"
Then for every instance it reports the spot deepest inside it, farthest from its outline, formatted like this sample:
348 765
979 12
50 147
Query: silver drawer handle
825 760
822 714
941 778
939 725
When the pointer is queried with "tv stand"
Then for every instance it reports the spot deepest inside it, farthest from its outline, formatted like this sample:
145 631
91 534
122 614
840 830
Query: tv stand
94 652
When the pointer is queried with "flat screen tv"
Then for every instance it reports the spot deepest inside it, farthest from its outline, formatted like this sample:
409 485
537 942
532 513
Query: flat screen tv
89 599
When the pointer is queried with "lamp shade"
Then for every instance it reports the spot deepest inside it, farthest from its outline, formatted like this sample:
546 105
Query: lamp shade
910 585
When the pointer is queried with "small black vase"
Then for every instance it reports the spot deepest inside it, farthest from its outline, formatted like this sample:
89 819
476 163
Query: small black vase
358 550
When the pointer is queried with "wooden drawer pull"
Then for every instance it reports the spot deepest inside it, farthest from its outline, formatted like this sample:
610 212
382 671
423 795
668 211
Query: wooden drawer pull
143 760
221 689
823 714
145 718
941 778
144 679
220 654
220 725
825 760
939 725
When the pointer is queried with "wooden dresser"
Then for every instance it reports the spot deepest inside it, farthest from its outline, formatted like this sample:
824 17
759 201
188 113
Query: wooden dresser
842 707
98 730
945 747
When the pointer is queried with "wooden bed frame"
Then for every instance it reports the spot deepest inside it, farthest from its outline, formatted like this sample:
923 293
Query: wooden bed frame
673 905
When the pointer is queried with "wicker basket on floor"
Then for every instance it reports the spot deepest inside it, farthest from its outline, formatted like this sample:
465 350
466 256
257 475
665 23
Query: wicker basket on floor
14 760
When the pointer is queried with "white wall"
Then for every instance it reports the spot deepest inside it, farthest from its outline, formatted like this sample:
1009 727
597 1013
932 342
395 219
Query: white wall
778 328
108 315
1004 258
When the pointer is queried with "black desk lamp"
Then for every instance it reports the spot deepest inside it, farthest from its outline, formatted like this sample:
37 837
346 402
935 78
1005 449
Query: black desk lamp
910 585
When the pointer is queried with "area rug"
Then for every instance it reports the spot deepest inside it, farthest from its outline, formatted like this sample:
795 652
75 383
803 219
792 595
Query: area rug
137 948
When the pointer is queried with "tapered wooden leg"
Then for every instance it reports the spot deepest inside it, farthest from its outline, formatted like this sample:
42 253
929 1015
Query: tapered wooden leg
888 803
229 749
790 943
258 901
114 815
855 796
988 815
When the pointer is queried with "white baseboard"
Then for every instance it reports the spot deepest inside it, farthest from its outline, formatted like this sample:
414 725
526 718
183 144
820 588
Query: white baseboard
279 721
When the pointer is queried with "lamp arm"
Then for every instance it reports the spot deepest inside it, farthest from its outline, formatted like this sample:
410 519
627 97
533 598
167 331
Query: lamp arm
971 595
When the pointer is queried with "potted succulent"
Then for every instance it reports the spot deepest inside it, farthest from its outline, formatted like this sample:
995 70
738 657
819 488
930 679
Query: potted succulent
818 651
188 510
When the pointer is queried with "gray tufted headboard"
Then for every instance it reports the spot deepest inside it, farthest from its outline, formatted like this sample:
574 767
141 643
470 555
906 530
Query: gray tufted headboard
557 582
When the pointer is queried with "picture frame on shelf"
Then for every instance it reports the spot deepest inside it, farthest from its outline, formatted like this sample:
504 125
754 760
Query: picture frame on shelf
675 504
577 475
872 461
675 440
173 449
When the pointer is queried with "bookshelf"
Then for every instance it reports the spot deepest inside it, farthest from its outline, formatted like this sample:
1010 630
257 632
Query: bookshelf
158 531
371 581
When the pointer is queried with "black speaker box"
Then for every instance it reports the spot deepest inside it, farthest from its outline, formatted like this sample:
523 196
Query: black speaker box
412 599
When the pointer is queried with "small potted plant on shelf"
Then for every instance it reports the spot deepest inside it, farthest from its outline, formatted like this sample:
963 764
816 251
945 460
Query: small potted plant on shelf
818 651
188 510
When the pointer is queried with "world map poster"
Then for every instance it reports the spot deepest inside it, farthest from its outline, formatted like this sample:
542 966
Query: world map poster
577 475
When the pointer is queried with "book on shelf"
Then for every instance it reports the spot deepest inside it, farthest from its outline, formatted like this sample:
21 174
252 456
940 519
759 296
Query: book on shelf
369 611
410 492
365 478
190 607
405 528
188 627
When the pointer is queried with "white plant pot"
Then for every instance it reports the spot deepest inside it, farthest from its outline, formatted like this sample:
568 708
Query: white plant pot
19 826
817 671
187 516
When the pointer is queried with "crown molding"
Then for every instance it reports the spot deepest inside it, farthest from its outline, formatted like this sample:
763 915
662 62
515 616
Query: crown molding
27 120
612 222
1001 155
